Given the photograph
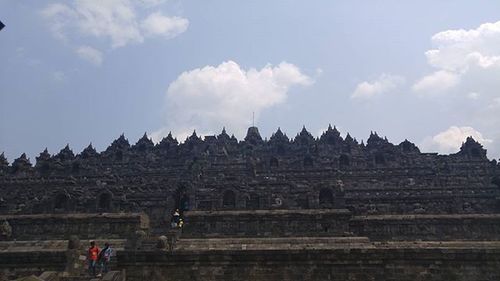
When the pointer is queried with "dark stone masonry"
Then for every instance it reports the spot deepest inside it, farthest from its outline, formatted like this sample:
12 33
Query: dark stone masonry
327 208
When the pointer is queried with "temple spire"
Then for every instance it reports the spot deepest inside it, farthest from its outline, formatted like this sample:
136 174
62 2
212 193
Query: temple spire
3 160
253 135
223 136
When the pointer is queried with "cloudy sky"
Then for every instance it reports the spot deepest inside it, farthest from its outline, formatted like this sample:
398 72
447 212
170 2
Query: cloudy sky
86 71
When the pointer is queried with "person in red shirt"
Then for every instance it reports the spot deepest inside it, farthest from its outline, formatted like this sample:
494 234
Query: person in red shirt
92 255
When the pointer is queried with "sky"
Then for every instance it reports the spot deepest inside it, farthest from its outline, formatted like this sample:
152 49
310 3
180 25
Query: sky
85 71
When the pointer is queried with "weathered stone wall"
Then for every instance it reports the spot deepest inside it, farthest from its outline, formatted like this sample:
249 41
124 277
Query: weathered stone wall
427 227
62 257
158 195
268 223
338 222
343 264
15 264
85 226
220 173
356 260
378 177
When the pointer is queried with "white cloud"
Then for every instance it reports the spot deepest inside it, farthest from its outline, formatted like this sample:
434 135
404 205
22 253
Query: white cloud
450 140
495 104
458 52
473 95
208 98
90 54
58 76
115 20
157 24
60 17
437 82
466 68
151 3
383 84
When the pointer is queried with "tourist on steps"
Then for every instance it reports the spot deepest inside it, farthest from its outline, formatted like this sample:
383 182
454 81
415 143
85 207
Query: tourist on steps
176 219
92 255
104 258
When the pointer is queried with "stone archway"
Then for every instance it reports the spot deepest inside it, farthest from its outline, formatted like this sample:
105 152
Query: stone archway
61 202
273 162
229 199
104 202
325 198
308 162
181 197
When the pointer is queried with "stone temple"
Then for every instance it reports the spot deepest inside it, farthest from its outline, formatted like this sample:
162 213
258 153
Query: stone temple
302 208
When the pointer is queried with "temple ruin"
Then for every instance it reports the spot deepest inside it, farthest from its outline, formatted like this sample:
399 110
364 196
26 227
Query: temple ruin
301 208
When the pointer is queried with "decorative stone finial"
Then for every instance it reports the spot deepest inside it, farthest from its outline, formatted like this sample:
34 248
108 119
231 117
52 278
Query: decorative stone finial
65 154
278 137
304 137
223 136
89 152
121 143
3 160
253 136
144 143
21 164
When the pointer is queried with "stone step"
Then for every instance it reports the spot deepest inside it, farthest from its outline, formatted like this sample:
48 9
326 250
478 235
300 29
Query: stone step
275 240
54 245
270 243
49 276
77 278
110 276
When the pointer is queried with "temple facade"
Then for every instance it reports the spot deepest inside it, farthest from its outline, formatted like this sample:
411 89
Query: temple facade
330 187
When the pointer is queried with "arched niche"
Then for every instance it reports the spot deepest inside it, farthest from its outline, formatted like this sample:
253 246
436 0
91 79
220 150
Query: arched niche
61 202
325 197
182 198
184 202
104 202
344 161
273 162
229 199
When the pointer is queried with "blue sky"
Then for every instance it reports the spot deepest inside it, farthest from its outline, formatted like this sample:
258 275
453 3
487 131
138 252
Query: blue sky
86 71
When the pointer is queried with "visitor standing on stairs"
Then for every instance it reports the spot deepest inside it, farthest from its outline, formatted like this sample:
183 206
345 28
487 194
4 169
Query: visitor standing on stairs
104 258
92 255
176 219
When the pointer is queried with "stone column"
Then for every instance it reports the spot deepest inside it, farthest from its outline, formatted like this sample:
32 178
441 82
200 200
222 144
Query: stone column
75 261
